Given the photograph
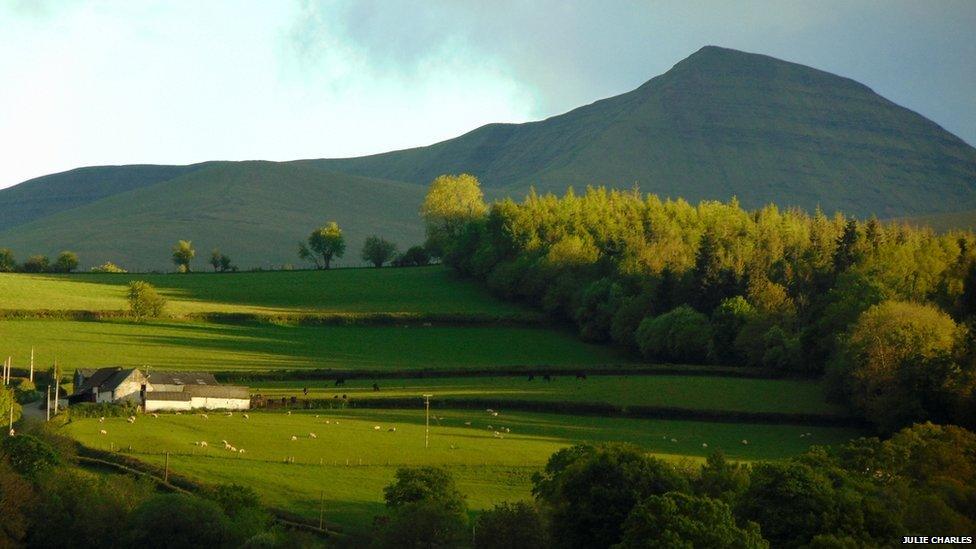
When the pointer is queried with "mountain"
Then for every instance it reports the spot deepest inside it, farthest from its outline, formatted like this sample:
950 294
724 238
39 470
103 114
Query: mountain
720 123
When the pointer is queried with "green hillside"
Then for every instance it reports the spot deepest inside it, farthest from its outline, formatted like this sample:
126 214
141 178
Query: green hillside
256 212
720 123
942 222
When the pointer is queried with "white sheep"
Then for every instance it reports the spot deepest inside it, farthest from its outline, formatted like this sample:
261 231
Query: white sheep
204 416
131 420
490 428
327 422
376 427
232 449
489 410
391 430
468 423
674 440
203 443
155 415
227 446
101 419
103 432
494 414
507 430
179 413
744 442
247 416
293 437
224 442
289 412
312 435
230 414
241 451
704 445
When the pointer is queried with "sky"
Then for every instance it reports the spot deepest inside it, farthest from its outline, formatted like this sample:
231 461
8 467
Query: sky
183 81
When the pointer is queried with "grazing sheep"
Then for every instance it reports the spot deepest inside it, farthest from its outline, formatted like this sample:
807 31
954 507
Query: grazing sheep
490 411
227 446
467 423
494 414
490 428
507 430
293 437
230 414
224 442
288 412
101 419
376 427
204 416
155 415
674 440
312 435
103 432
203 443
497 434
327 422
704 445
744 442
232 449
391 430
131 420
247 416
179 413
241 451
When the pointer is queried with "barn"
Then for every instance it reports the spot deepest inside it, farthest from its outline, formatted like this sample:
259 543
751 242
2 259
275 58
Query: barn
158 390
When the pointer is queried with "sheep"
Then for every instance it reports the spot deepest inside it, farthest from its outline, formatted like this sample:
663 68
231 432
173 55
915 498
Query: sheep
744 442
468 423
247 416
293 437
391 430
102 432
376 427
312 435
101 419
179 413
327 422
704 445
203 443
224 442
230 414
288 412
232 449
490 428
490 411
497 434
507 430
227 446
241 451
155 415
204 416
131 420
494 414
674 440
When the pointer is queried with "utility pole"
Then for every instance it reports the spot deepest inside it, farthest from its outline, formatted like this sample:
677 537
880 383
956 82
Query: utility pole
427 420
49 403
166 470
32 366
322 510
11 431
57 386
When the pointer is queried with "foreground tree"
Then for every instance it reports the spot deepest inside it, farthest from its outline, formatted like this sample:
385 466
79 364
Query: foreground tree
66 262
326 241
677 520
510 526
427 510
451 202
378 251
183 253
899 366
144 300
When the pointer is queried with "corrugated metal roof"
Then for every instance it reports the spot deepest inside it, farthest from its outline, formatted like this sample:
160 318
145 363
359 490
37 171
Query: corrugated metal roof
178 396
218 391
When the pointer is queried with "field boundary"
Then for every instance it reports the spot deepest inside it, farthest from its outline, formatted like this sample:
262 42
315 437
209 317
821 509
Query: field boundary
527 319
181 484
582 409
612 369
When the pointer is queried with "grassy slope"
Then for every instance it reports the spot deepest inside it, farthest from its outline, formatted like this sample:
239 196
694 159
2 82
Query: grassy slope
721 393
489 469
262 347
415 290
255 212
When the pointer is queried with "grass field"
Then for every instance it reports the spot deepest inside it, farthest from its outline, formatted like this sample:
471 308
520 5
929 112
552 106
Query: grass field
693 392
414 290
489 469
265 346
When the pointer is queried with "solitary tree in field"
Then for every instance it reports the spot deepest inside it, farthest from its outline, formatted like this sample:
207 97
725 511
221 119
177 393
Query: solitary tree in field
7 262
144 300
327 242
378 251
36 264
220 262
451 202
66 262
183 252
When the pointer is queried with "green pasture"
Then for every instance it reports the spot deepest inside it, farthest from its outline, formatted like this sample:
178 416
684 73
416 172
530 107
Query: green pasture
411 290
693 392
262 346
350 461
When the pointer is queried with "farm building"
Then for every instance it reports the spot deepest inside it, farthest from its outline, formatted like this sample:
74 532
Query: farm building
158 390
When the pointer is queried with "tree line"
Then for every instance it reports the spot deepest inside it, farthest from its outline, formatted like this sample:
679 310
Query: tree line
65 262
868 493
883 309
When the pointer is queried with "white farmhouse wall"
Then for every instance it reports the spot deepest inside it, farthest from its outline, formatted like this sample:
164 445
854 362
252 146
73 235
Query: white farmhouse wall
211 403
166 405
129 390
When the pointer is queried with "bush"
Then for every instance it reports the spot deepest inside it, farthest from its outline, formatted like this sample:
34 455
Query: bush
65 262
108 267
36 264
682 335
415 256
681 520
103 409
29 455
144 300
189 522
